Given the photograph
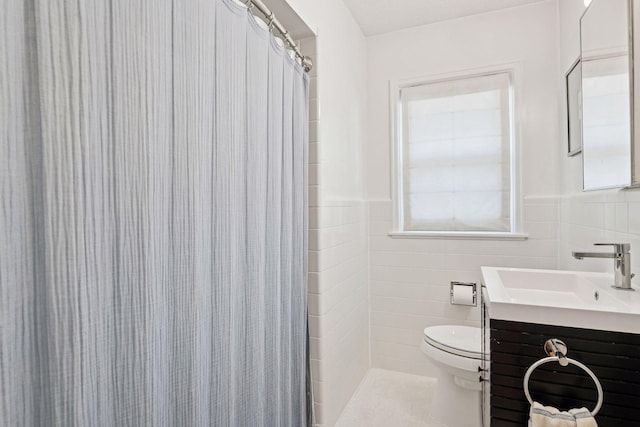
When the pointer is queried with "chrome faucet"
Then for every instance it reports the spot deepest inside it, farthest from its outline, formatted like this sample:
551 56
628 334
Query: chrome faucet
621 263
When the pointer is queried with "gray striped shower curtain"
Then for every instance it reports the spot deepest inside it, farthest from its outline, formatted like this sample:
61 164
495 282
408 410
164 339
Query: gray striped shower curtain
152 216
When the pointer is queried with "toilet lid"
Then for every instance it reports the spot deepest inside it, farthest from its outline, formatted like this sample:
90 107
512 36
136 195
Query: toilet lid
464 341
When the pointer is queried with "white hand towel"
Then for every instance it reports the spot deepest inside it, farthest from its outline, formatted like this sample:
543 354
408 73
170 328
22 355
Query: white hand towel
583 417
547 416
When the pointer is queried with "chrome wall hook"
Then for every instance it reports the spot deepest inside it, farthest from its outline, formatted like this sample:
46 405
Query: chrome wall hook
556 348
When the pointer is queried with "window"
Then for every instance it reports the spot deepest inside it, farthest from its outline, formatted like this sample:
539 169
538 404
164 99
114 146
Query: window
455 152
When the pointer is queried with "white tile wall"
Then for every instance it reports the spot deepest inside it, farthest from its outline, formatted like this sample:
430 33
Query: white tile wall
410 279
338 297
338 306
585 218
370 295
611 216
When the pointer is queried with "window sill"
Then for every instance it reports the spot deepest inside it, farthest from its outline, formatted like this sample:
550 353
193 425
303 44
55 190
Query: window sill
463 235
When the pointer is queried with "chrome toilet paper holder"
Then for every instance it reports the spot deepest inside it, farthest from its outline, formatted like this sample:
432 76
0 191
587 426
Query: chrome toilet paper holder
473 288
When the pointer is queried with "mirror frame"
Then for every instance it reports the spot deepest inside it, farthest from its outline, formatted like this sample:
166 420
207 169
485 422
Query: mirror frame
574 107
634 52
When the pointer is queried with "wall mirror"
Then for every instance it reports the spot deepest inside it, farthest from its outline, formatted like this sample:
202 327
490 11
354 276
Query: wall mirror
607 101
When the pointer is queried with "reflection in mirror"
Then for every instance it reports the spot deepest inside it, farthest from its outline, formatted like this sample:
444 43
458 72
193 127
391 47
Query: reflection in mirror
606 122
606 100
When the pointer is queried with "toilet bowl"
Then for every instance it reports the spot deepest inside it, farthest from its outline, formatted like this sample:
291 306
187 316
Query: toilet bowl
457 351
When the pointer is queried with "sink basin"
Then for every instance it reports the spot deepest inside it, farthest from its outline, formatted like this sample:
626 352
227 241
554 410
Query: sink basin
563 298
560 288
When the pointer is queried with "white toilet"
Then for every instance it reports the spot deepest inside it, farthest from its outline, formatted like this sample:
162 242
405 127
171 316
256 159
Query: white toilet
457 351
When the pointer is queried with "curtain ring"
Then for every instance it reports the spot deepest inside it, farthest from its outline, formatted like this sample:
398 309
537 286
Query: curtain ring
271 18
248 4
292 45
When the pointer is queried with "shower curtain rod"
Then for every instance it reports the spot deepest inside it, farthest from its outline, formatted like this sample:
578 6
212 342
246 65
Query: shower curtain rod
273 22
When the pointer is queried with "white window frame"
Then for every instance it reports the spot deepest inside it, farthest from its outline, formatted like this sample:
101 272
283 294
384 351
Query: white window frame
395 87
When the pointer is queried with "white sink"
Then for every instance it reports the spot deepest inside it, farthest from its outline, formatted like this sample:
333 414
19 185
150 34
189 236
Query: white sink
563 298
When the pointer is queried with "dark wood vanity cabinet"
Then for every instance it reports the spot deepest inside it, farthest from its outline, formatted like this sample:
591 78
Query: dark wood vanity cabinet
614 358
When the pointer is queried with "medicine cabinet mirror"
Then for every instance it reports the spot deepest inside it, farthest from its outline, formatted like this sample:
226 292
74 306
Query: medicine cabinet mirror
607 98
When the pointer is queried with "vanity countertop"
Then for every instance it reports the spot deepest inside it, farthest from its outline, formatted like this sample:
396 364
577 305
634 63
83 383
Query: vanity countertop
563 298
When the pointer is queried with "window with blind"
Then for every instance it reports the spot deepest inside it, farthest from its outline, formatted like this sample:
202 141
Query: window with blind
455 152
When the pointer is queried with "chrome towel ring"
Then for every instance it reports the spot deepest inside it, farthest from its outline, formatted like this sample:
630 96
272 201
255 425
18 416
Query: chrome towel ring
525 382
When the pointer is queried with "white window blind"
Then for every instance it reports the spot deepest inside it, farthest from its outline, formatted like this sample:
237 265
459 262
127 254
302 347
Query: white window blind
456 155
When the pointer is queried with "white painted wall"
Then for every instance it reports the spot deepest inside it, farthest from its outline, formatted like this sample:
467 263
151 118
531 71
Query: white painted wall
596 216
341 59
410 277
527 35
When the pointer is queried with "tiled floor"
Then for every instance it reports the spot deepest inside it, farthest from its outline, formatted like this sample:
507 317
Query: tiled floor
387 398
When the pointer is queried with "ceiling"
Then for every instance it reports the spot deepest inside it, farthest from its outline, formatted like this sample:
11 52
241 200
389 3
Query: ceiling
287 16
382 16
